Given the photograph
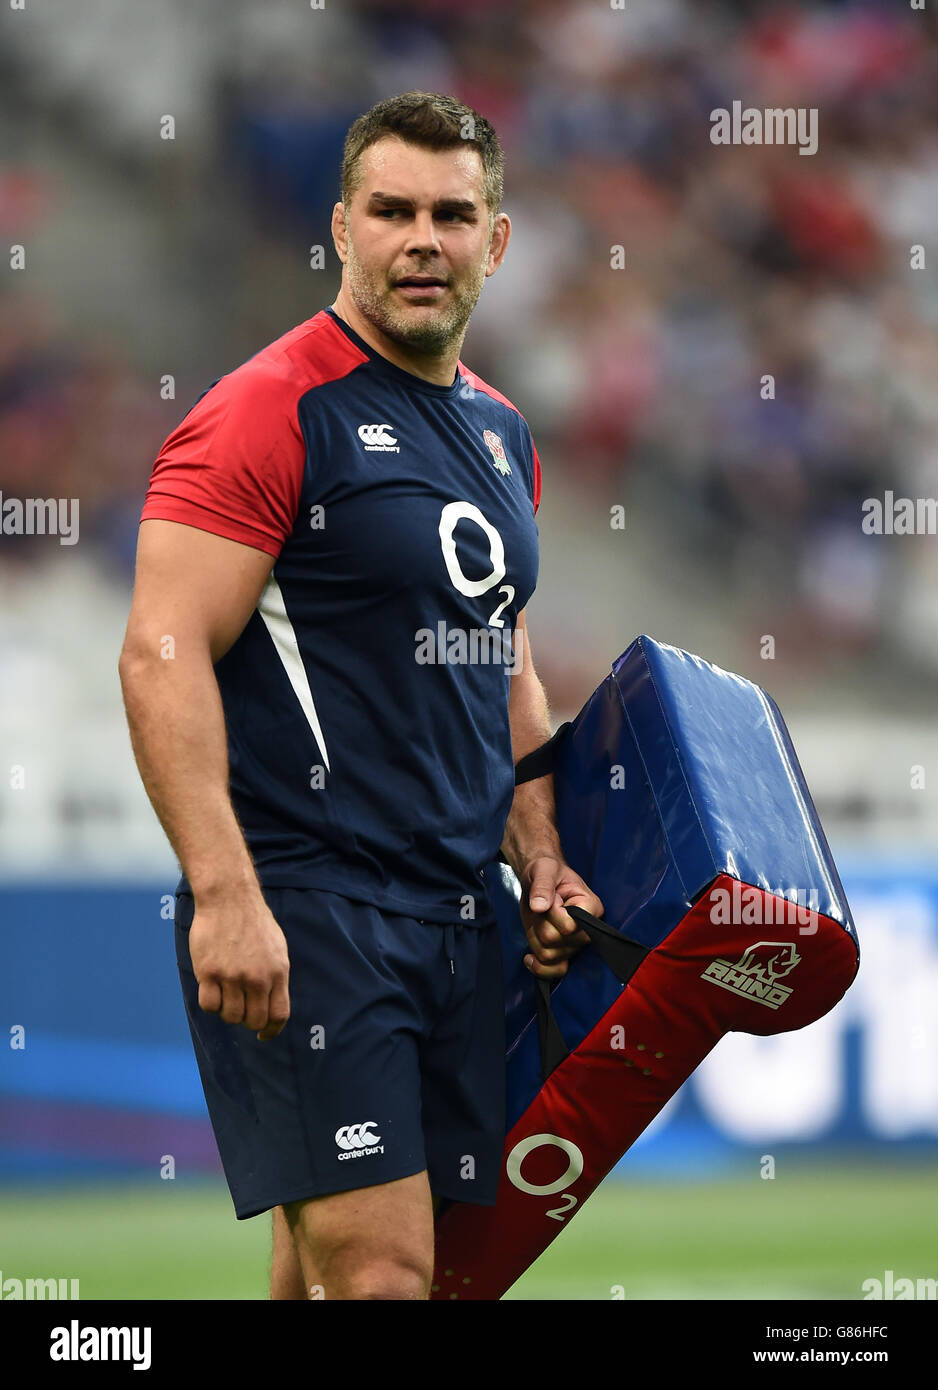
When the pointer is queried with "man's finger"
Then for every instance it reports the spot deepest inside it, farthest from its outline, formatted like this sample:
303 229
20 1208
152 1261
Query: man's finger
545 972
591 904
551 934
210 996
561 951
579 938
568 947
561 920
256 1013
233 1003
278 1012
547 955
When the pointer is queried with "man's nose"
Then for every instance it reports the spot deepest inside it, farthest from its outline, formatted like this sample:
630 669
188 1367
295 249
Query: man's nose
423 235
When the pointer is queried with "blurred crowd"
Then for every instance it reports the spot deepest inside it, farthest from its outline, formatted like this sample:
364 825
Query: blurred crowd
739 263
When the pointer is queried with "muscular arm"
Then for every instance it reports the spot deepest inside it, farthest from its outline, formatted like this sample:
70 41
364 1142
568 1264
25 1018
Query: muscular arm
193 595
531 827
531 842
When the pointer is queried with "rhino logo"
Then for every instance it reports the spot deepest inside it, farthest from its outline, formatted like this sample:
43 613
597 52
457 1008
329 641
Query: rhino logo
756 975
769 960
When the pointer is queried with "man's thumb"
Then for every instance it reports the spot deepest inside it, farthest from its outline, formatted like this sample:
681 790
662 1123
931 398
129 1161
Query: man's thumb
542 895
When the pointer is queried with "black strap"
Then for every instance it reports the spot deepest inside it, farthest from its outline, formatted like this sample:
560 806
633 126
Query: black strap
541 760
553 1047
621 953
623 957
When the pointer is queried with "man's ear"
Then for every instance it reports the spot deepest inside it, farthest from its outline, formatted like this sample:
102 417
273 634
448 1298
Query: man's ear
340 231
498 244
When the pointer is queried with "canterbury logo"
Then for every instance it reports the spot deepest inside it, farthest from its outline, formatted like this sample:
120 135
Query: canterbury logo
357 1136
374 437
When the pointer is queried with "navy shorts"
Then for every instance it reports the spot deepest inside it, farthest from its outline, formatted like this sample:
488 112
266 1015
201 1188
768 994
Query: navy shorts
392 1061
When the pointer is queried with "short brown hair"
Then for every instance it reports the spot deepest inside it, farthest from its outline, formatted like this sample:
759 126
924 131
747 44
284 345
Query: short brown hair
433 121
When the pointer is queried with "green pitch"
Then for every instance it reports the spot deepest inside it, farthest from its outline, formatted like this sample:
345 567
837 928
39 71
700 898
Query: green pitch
810 1233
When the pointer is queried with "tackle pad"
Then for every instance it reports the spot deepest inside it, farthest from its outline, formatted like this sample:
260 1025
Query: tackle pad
681 803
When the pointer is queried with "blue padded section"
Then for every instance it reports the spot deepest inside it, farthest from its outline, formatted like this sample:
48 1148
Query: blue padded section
673 772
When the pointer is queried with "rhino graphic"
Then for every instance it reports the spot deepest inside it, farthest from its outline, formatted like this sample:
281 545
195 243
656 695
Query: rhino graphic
769 960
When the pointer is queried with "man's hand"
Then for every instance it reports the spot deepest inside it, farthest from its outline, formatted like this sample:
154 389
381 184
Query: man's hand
547 884
239 956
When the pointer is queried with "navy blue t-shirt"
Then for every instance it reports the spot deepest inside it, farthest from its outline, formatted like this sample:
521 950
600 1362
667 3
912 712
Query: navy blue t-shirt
366 700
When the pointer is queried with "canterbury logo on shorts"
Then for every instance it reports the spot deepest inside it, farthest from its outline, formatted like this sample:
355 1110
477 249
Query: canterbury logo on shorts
358 1140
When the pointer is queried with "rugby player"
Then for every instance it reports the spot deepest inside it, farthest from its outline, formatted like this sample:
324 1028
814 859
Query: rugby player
328 747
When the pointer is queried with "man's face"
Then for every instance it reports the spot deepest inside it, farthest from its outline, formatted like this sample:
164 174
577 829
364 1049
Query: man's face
418 213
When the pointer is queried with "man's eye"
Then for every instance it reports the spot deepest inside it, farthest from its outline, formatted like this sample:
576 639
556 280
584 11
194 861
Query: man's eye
444 214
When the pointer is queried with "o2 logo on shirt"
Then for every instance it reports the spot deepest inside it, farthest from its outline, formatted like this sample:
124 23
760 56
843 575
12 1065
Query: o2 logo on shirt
453 513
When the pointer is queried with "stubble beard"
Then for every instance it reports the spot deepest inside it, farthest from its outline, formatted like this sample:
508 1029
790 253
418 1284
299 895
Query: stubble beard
432 329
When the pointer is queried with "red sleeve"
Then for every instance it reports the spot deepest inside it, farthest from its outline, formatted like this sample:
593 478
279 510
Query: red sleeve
537 478
234 466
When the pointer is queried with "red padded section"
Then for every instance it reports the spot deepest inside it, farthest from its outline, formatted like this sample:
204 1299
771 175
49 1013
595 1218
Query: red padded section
706 979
